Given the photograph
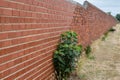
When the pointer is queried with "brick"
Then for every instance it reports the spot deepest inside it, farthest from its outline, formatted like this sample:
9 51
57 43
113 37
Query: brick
15 13
24 70
7 12
3 3
1 11
12 5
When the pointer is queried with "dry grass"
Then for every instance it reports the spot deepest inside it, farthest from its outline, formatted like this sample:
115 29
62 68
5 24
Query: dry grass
105 65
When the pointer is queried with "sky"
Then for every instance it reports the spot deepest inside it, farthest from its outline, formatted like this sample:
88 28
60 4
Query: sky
112 6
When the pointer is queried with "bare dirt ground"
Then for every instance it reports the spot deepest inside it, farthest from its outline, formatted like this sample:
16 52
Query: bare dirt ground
105 64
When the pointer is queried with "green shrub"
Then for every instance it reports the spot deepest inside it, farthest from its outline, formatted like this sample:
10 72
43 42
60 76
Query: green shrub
88 50
66 55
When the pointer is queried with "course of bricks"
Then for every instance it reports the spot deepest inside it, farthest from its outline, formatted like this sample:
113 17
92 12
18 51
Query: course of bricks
30 31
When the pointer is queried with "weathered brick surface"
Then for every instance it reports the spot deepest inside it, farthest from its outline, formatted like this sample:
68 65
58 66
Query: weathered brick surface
90 22
30 31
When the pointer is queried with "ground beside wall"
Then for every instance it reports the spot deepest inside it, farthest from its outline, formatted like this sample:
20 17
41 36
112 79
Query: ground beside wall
106 62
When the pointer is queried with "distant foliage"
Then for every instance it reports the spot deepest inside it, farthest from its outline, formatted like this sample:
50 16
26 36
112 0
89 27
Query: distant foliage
118 17
109 13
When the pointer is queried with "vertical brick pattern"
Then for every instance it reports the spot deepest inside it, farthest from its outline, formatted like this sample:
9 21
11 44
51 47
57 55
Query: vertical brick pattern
30 31
80 24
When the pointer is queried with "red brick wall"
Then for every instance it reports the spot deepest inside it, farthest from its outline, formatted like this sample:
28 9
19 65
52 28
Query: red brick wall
90 22
30 31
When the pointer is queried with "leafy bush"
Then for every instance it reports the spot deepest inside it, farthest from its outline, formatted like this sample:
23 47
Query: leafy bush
66 55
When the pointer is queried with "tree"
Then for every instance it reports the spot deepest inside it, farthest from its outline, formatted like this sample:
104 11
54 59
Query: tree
109 13
118 17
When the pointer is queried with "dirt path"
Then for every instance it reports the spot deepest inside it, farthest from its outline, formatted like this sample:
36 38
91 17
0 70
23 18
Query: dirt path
106 65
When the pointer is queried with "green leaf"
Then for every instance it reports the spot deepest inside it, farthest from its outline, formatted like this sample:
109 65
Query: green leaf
60 59
67 70
65 57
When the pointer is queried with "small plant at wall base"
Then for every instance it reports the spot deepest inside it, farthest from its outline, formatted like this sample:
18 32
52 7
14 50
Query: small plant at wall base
88 50
66 55
106 34
111 30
